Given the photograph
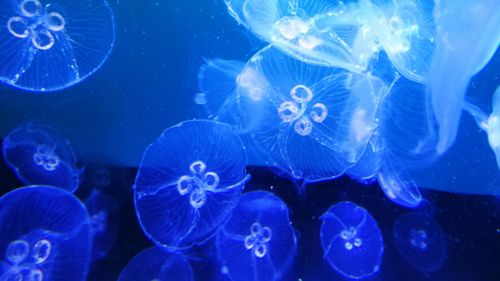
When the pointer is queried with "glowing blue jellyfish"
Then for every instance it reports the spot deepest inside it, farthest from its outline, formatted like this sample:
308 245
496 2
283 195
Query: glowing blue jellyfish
104 219
258 242
467 37
44 235
490 124
40 155
49 45
189 181
351 240
156 264
420 241
312 122
317 32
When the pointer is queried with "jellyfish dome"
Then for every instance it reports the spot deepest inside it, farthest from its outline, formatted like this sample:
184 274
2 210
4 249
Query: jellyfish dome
49 45
420 240
258 242
44 235
189 181
312 122
41 155
104 219
351 240
156 263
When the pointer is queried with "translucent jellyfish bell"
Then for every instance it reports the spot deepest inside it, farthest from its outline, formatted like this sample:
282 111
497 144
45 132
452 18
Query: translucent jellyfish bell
44 235
467 37
104 219
258 242
49 45
189 181
351 240
156 263
40 155
316 32
420 240
306 119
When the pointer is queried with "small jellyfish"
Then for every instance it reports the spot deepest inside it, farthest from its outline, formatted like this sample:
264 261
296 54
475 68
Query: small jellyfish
156 264
490 124
467 37
316 32
45 234
104 219
258 242
41 155
49 45
351 240
189 181
420 240
311 122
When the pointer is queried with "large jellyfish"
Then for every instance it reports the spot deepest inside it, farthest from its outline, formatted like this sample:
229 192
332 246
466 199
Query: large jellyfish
49 45
156 263
258 242
489 123
40 155
310 121
467 37
104 219
189 181
351 240
44 235
420 241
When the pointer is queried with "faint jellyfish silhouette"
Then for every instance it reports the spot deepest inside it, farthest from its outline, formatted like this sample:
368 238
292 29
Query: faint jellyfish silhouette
490 124
44 235
104 219
41 155
258 242
351 240
467 38
420 240
157 264
49 45
188 182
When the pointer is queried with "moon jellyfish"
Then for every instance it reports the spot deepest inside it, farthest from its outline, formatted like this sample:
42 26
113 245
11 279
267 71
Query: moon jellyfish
420 241
40 155
189 181
351 240
258 242
490 124
156 264
467 37
316 32
49 45
305 118
44 235
104 219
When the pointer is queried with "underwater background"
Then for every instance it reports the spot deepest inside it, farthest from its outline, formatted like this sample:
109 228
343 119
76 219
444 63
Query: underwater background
148 84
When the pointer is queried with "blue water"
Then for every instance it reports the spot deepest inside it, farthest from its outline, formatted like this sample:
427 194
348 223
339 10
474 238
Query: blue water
148 84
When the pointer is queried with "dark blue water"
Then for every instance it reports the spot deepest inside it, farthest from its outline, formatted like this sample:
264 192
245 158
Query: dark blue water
148 85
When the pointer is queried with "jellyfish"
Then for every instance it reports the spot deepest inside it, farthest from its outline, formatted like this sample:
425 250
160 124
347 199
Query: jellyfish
49 45
466 39
104 219
490 124
304 119
44 235
351 240
315 32
258 242
41 155
420 240
156 264
189 181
